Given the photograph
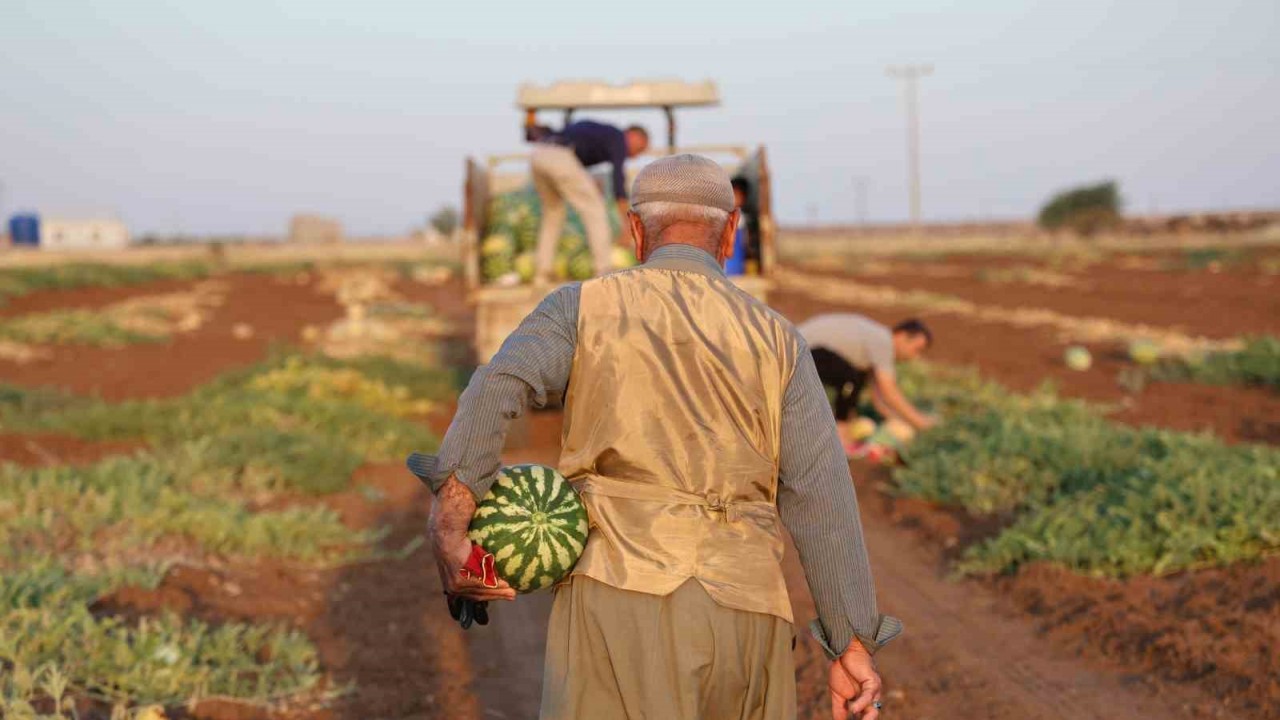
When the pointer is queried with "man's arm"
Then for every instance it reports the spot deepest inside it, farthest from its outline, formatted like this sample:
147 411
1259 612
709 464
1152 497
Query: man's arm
886 387
533 364
820 509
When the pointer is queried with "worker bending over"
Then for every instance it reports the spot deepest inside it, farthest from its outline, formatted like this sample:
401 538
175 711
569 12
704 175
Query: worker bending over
850 349
559 167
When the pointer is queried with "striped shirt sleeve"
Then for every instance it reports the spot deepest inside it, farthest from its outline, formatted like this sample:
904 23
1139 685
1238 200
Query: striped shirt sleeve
818 505
531 367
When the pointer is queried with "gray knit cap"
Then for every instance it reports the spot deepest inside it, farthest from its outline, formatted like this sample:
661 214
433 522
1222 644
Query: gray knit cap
690 179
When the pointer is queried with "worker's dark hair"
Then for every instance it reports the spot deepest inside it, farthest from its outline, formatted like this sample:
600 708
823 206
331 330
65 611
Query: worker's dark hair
913 327
638 129
741 184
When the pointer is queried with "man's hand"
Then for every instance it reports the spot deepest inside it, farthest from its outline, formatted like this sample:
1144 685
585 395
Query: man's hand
854 685
926 422
450 515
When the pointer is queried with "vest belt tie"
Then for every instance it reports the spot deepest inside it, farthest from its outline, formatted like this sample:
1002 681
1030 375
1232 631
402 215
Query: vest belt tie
731 510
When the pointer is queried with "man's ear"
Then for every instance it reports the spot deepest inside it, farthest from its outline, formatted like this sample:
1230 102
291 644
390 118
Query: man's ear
637 234
728 236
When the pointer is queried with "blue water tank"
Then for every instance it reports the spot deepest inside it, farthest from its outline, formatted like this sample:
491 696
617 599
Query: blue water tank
24 229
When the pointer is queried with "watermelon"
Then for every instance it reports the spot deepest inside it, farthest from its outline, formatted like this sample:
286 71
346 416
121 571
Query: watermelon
582 266
497 244
862 428
1144 352
526 266
572 243
623 258
533 523
1078 358
513 222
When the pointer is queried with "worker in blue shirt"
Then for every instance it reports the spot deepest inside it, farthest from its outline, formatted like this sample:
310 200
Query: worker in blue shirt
559 167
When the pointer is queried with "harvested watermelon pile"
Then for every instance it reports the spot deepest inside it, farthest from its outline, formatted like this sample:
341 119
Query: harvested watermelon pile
507 252
533 523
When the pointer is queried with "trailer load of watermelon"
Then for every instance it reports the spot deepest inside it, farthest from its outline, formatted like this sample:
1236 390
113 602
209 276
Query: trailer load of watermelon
507 252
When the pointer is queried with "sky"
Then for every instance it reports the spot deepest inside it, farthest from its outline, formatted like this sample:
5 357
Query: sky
228 117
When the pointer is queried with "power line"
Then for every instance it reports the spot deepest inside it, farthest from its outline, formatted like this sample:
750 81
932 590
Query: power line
910 75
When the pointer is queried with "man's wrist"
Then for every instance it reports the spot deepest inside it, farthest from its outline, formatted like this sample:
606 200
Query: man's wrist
451 514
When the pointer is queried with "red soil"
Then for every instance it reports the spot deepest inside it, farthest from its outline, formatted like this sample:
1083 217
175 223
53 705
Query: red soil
276 311
46 450
1197 303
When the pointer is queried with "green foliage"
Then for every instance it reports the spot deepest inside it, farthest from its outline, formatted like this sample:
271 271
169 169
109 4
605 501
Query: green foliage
122 507
445 220
1085 492
208 486
311 439
1206 257
1186 503
1084 210
15 282
1257 363
79 327
50 643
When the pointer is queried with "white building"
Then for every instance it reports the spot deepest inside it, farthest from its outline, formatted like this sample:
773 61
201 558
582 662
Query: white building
82 234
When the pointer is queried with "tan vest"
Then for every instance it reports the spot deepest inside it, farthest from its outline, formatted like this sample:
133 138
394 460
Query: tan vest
671 434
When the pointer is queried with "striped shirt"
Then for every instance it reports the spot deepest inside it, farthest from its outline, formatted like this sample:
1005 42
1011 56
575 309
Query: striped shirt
816 498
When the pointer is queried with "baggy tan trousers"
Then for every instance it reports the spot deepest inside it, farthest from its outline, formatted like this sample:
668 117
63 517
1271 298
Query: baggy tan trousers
616 654
560 178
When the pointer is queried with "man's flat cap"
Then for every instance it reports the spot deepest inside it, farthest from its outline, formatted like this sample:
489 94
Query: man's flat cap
689 179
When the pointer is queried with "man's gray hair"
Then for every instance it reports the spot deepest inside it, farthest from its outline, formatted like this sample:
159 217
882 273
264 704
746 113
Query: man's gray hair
658 216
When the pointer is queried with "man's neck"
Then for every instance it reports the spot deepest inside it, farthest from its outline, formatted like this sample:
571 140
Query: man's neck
677 256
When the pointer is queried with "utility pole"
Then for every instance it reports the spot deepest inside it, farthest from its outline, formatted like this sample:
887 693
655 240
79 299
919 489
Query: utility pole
860 183
910 75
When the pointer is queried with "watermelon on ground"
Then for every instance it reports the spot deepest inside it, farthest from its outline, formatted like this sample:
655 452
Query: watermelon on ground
1078 358
1144 352
862 428
533 523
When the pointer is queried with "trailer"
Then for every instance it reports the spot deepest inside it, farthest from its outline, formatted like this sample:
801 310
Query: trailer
499 310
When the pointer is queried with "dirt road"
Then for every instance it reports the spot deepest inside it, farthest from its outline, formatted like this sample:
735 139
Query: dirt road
964 656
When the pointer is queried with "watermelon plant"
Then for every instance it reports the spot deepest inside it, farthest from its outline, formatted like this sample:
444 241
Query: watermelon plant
1257 363
69 534
16 282
1082 491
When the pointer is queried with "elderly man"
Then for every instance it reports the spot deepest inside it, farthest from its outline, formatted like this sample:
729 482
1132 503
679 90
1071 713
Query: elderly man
695 428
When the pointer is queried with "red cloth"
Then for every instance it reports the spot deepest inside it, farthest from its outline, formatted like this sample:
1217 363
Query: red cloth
480 565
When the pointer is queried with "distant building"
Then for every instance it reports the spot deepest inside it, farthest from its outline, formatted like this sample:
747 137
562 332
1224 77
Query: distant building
82 234
314 229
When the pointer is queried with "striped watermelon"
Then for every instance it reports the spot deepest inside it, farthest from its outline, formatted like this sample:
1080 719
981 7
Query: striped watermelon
533 523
